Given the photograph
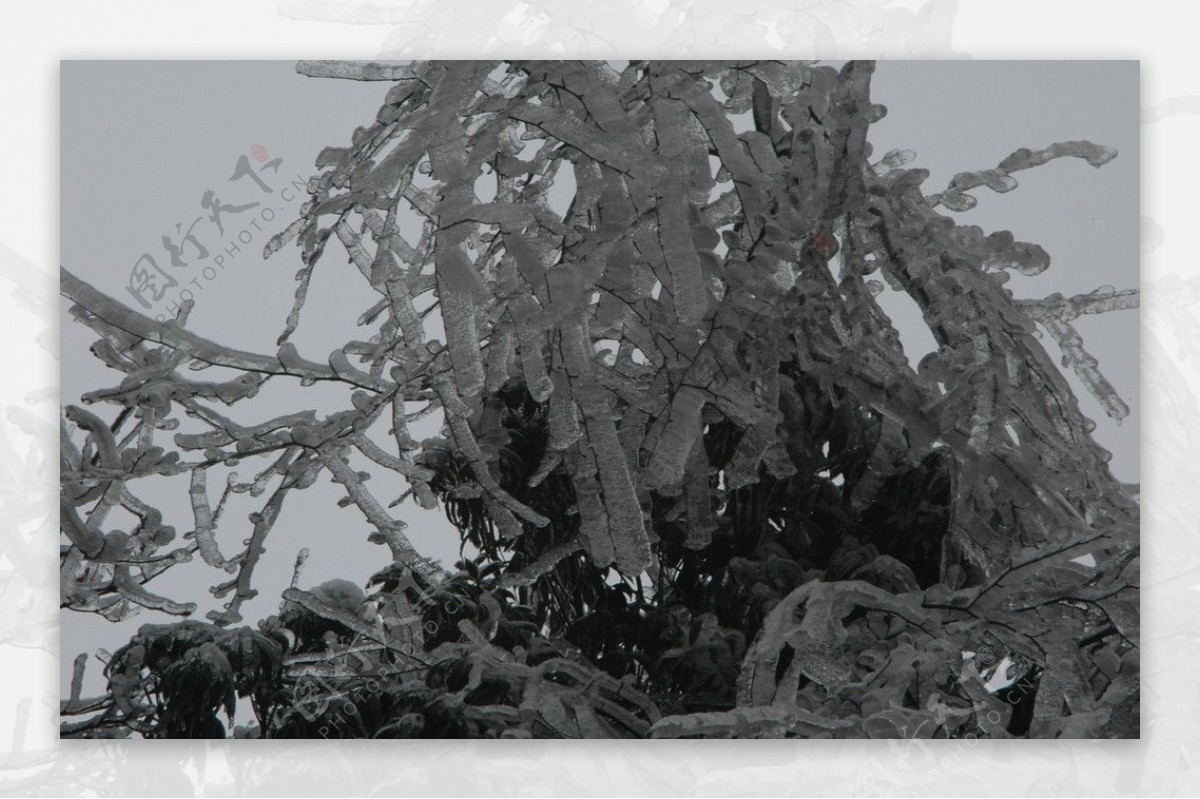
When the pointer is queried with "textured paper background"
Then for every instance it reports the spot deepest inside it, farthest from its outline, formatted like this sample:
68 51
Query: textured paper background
33 762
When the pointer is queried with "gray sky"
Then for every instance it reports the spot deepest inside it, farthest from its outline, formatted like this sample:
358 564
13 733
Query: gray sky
143 141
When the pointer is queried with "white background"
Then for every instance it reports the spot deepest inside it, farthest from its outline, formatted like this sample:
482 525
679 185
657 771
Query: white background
36 36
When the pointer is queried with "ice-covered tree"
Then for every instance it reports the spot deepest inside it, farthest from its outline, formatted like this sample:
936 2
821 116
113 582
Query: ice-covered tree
709 494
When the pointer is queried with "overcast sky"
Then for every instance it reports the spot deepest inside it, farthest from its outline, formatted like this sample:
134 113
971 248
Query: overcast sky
142 143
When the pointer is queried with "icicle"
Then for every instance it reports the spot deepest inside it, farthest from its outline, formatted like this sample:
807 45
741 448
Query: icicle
563 421
500 351
458 317
205 534
532 346
622 512
698 494
680 433
680 252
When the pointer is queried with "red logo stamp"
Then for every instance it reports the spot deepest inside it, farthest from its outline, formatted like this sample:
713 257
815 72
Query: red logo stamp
259 152
825 244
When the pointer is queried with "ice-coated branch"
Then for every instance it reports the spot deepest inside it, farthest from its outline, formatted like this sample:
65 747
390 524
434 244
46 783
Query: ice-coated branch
190 344
1000 179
